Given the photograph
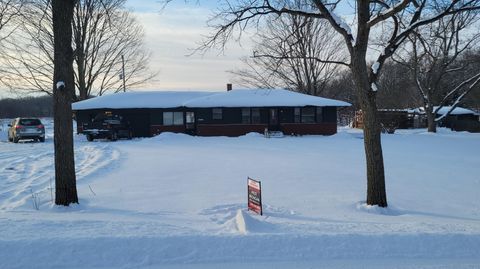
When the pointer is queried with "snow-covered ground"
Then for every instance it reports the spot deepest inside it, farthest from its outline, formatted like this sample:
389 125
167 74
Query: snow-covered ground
176 201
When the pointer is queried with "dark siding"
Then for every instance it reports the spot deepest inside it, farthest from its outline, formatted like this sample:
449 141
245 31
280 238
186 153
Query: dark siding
286 114
232 116
156 116
203 115
139 120
264 115
229 116
330 114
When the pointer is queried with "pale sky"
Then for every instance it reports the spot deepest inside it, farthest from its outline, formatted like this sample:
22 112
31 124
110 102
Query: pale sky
172 32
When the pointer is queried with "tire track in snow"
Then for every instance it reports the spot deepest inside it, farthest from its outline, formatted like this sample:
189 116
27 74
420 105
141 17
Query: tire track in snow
27 171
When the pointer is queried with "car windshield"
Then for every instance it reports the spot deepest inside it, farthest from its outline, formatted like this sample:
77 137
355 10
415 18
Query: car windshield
30 122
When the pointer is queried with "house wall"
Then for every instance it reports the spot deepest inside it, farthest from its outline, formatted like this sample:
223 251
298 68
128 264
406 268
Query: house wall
149 122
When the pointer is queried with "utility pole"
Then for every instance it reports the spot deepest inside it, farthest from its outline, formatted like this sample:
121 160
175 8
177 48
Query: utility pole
123 73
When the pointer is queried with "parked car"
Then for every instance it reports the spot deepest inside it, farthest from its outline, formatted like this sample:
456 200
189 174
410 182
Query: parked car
108 126
26 128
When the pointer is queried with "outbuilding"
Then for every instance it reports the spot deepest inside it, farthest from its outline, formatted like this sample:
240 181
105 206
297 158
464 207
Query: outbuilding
231 113
459 119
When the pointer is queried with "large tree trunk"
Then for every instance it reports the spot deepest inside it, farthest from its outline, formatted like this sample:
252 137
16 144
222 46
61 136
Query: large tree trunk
376 192
432 124
65 180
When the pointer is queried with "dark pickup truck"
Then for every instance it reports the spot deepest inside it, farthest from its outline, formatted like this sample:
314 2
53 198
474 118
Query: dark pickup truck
107 126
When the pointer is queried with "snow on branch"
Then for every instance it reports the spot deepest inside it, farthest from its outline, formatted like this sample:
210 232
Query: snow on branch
388 13
337 23
473 82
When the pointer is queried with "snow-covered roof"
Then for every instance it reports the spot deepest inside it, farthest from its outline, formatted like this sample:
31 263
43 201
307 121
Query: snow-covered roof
138 99
456 111
442 111
262 98
234 98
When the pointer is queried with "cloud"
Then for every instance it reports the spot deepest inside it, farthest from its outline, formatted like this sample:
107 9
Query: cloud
171 34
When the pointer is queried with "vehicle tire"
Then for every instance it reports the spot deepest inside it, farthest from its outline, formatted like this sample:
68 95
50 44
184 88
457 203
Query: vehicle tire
114 136
15 139
89 138
41 139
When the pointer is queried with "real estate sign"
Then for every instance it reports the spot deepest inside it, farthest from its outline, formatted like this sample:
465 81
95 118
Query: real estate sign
254 190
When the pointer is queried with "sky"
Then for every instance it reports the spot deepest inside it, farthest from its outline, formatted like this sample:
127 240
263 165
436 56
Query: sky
172 32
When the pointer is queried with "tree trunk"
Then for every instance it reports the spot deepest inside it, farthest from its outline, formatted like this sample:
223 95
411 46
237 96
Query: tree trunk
65 180
82 85
432 124
376 192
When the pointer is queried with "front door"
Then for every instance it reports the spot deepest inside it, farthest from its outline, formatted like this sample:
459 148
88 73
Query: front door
273 119
190 122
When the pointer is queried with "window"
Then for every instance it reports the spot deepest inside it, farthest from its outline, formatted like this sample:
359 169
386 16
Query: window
296 115
319 114
245 115
308 115
167 118
217 114
177 118
172 118
256 115
190 117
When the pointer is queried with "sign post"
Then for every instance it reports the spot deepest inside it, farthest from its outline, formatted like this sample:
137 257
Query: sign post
254 191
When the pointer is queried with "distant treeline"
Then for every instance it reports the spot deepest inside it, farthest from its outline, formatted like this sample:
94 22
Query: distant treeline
41 106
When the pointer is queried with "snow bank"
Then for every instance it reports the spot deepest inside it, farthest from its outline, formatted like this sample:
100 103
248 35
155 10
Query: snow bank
177 200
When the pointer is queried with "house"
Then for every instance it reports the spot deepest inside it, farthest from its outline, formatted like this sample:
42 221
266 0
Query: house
395 119
460 119
230 113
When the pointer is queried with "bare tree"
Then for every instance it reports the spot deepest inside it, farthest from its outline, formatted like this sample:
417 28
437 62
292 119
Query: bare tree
104 34
63 89
398 87
288 54
106 37
397 20
436 62
9 10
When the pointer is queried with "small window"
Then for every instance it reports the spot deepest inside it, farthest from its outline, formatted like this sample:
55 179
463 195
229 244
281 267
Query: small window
172 118
177 118
217 114
319 114
167 118
256 115
308 115
245 115
296 113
